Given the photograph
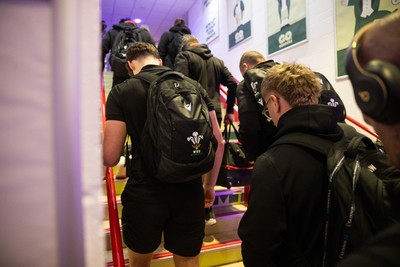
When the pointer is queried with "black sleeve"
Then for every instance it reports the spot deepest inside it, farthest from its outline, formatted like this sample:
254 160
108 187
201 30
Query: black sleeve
230 82
249 127
114 106
163 45
106 45
210 106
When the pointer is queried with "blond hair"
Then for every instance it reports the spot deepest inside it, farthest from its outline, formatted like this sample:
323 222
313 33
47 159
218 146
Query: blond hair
296 83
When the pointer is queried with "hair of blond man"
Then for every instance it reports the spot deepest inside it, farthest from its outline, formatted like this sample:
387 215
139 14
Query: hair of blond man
188 39
296 83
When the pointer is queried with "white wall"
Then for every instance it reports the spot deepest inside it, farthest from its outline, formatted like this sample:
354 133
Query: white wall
318 52
48 63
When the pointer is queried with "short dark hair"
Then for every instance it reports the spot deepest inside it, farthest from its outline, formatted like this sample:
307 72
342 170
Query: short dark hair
180 22
123 20
141 49
250 57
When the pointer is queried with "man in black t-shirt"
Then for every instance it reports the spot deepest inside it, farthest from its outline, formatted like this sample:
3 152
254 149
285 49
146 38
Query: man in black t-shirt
152 207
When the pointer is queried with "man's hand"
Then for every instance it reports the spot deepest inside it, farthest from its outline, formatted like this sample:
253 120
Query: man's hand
209 196
229 117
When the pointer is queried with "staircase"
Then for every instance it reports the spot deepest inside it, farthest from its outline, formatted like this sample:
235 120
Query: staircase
221 244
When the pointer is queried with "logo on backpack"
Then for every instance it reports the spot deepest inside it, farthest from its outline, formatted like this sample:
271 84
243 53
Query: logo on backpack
333 103
195 139
177 143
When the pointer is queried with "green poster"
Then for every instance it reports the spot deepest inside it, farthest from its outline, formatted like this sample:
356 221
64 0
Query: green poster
286 24
239 21
351 15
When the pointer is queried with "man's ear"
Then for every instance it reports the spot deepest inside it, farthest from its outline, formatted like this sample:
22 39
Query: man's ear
160 62
244 68
276 104
131 66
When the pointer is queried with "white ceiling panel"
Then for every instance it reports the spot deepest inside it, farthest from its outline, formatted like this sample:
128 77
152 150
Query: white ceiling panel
159 15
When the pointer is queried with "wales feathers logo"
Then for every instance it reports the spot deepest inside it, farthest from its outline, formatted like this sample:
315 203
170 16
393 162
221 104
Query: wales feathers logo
195 139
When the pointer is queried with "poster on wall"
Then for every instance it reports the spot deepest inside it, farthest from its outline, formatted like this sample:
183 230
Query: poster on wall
286 24
351 15
211 11
239 21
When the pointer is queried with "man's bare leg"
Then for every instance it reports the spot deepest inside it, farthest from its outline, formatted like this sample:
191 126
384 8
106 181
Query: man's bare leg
181 261
139 260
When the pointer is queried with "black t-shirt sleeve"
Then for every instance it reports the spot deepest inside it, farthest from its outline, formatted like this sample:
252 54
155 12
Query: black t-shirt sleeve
114 109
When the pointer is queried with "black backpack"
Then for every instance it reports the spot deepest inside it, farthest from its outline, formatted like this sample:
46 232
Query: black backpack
253 79
330 97
124 39
178 143
363 190
252 83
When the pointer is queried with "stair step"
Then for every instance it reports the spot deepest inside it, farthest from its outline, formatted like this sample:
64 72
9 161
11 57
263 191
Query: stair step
218 249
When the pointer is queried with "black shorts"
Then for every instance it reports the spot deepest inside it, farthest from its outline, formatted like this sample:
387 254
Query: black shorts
177 210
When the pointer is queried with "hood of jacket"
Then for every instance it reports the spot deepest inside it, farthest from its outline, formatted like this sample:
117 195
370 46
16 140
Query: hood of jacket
123 26
182 29
319 120
266 64
202 50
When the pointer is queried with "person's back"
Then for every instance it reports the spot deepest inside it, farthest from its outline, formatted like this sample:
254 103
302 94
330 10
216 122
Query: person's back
256 131
108 42
152 207
373 65
171 42
284 221
197 62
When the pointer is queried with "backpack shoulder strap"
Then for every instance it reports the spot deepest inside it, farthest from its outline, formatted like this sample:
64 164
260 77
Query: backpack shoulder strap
356 140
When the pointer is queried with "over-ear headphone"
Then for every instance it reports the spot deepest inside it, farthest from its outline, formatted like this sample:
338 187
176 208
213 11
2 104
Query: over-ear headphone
376 85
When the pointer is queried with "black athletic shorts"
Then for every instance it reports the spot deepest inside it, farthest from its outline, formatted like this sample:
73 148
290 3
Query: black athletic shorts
177 210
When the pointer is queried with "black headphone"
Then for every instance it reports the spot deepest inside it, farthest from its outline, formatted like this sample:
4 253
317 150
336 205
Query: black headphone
376 85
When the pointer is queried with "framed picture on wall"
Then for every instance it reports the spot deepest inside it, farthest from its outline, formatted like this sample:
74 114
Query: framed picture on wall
239 21
211 11
286 24
351 15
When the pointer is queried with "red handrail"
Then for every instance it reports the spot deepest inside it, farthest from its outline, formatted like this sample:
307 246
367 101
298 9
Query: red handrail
359 124
115 231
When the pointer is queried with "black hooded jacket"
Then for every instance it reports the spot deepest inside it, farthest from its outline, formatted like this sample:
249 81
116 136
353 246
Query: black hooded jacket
198 63
255 130
284 221
165 46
